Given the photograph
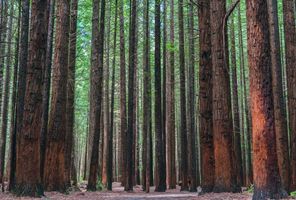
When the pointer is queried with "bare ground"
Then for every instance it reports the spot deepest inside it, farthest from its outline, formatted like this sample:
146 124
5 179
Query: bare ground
138 194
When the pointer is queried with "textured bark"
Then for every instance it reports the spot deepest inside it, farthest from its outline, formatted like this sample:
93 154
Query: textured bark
12 157
225 180
266 173
46 81
123 114
192 168
3 44
205 101
183 128
160 184
96 89
70 109
110 164
106 103
5 97
164 77
281 129
28 180
235 107
290 44
54 165
170 107
130 117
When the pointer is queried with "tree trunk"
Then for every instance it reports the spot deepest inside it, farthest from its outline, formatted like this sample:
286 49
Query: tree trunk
70 139
54 165
266 174
28 180
281 129
290 41
130 117
110 166
225 180
96 89
183 122
5 97
46 82
123 116
205 101
235 106
191 105
170 109
160 185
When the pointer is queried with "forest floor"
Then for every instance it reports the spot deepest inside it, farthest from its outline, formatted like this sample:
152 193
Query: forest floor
138 194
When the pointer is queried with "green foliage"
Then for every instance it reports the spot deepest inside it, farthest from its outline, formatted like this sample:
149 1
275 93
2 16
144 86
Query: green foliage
100 185
250 189
293 194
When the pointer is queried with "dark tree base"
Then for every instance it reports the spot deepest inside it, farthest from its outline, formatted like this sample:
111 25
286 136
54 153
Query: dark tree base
266 193
91 188
34 190
161 188
206 189
184 188
220 189
192 189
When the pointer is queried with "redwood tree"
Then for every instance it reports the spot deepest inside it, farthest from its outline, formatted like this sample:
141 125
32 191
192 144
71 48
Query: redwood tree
266 173
28 180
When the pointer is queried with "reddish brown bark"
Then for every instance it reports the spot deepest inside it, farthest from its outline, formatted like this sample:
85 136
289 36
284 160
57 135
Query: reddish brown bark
54 166
290 44
266 173
225 180
205 101
281 128
28 180
96 90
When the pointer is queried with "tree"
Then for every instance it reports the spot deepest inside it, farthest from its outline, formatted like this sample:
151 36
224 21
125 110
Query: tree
5 101
96 88
170 119
266 174
70 139
131 83
205 101
290 41
28 182
123 115
183 122
160 184
281 128
191 104
54 166
225 180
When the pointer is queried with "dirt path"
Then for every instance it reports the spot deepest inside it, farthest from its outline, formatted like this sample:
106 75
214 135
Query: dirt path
138 194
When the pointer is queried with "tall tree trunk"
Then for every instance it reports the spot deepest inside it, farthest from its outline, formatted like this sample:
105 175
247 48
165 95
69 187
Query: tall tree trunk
290 44
70 139
106 101
147 157
191 105
54 165
225 180
235 107
6 95
183 122
130 117
11 179
28 180
3 44
123 115
170 106
110 166
205 101
266 174
96 89
160 185
46 82
281 129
